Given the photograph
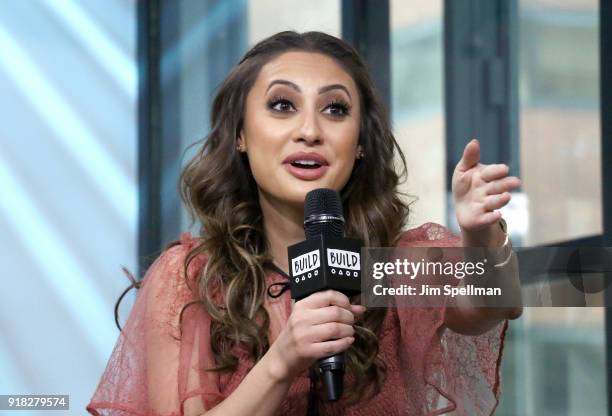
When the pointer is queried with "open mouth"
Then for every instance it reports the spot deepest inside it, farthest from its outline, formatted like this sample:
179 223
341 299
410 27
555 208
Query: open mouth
308 166
308 170
305 164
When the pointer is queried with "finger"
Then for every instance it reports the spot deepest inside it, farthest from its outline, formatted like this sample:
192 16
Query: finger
471 156
492 217
327 348
358 309
493 202
331 314
326 298
492 172
487 219
331 330
502 185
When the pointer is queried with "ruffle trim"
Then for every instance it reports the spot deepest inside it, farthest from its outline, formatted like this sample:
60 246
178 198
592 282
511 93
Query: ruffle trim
425 233
210 399
429 368
95 406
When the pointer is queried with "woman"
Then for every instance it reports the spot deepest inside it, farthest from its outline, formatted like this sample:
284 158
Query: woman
210 335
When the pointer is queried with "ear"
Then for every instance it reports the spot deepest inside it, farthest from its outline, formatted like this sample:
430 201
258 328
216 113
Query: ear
359 152
240 142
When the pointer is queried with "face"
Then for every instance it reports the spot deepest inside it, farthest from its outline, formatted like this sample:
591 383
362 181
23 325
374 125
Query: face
301 126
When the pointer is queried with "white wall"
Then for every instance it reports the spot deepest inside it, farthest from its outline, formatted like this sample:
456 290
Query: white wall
68 184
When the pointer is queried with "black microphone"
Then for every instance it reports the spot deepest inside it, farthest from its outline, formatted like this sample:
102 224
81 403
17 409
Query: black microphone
325 260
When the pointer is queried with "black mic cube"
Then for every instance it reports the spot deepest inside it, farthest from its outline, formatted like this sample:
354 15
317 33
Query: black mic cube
325 262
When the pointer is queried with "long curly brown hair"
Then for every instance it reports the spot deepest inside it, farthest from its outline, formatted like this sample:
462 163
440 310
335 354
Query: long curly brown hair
221 194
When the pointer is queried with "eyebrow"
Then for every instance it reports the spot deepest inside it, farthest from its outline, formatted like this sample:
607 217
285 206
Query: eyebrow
321 90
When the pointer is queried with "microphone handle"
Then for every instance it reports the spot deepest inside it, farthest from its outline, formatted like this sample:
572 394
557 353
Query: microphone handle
332 373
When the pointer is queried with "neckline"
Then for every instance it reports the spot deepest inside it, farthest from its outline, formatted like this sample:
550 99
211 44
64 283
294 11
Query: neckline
278 270
284 286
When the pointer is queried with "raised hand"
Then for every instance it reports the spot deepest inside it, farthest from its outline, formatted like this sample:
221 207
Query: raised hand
479 190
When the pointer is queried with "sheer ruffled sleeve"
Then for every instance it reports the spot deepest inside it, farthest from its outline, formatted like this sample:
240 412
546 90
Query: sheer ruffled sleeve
154 370
446 371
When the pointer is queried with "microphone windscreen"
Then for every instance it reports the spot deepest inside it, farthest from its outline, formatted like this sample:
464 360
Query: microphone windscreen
322 201
321 204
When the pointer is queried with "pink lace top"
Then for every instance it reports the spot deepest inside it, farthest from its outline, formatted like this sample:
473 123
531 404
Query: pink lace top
430 369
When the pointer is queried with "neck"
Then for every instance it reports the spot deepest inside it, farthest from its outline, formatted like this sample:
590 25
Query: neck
283 226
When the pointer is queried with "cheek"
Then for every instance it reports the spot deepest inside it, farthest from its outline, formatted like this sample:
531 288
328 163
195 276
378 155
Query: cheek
345 152
262 141
347 166
264 160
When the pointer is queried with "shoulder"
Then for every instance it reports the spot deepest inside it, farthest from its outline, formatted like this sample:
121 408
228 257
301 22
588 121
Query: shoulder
166 289
170 264
429 233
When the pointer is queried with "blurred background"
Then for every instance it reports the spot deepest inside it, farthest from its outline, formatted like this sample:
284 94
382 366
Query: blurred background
101 98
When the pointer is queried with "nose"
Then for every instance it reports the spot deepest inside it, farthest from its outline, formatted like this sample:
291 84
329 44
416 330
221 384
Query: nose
309 129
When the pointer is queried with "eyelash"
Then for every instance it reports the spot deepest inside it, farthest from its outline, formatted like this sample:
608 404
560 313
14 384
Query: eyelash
343 105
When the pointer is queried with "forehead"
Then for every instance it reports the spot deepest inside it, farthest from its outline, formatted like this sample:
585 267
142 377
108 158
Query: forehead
307 69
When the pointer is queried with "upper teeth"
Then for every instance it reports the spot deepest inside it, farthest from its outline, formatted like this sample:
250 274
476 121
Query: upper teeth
306 162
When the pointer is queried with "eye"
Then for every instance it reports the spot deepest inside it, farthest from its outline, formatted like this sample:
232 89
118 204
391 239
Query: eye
339 108
280 104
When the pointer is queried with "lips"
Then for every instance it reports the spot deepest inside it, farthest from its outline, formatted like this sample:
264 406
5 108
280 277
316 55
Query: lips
312 156
306 166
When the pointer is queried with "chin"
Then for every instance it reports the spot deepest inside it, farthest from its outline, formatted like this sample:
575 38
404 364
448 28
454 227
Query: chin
299 191
294 196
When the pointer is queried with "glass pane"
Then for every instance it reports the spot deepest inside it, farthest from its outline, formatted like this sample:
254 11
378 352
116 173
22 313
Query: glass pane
418 103
211 38
559 119
554 361
69 181
554 364
267 17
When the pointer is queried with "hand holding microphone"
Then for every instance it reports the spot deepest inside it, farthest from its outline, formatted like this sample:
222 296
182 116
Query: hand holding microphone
319 326
327 260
